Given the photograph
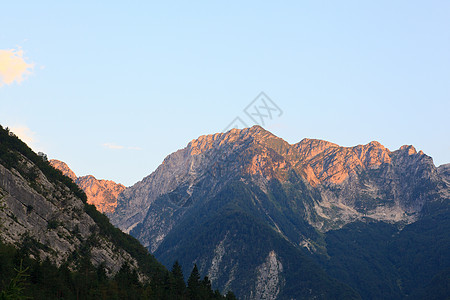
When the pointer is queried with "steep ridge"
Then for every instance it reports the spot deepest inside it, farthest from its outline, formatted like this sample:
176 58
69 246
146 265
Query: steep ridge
101 193
297 192
54 245
48 212
64 168
347 171
444 170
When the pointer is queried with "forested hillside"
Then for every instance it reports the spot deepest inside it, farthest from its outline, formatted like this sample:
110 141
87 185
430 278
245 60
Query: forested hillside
53 245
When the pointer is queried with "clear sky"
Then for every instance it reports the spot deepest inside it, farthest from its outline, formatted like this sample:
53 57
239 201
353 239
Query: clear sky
113 87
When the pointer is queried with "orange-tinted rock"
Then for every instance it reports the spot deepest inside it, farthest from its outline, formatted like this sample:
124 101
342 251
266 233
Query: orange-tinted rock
333 164
319 162
410 148
64 168
101 193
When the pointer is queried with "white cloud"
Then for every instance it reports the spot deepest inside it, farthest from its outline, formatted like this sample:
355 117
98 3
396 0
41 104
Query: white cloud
134 148
112 146
119 147
13 67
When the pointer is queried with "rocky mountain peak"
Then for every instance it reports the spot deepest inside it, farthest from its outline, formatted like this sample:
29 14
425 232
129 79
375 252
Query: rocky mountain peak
309 148
64 168
444 170
294 189
318 161
101 193
355 173
233 136
44 215
409 148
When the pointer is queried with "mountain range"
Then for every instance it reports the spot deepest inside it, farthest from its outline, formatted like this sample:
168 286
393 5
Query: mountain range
101 193
273 220
55 245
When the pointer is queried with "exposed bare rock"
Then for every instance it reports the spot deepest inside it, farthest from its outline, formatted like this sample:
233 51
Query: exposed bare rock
444 170
300 191
101 193
52 219
269 280
350 179
335 164
64 168
219 252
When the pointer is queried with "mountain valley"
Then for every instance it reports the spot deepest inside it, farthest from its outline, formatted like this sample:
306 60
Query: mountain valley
271 220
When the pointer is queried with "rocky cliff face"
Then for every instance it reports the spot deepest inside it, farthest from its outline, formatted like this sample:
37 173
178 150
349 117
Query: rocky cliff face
101 193
354 182
444 170
64 168
298 191
47 218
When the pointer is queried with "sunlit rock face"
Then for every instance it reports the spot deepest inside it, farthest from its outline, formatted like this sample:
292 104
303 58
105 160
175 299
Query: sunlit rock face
353 182
269 280
444 170
101 193
52 220
202 201
64 168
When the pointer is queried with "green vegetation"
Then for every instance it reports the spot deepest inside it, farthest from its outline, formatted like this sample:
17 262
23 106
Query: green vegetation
376 260
10 148
22 277
26 278
381 262
372 260
231 217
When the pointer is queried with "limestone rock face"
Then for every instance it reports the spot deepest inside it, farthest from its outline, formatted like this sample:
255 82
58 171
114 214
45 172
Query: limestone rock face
353 182
444 170
300 191
101 193
52 219
269 278
64 168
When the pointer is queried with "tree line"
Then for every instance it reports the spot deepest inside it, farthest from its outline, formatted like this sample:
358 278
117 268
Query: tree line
25 278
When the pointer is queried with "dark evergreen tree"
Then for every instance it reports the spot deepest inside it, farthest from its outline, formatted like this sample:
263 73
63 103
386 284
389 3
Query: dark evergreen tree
230 296
206 291
178 286
193 287
22 276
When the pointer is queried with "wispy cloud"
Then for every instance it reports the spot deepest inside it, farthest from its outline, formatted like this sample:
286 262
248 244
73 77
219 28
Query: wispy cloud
26 135
134 148
119 147
112 146
13 67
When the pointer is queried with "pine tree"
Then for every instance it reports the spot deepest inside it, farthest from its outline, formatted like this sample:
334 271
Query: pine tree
178 287
230 296
193 287
206 289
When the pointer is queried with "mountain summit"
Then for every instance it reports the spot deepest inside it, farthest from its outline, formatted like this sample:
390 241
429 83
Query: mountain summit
101 193
359 176
253 211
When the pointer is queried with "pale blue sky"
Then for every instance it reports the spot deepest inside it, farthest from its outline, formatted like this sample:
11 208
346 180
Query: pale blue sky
150 77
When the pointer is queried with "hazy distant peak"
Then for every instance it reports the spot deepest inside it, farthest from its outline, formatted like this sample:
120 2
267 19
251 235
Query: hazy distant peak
64 168
101 193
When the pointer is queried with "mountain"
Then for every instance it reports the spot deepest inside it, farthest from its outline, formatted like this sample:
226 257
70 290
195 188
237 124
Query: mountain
101 193
444 170
261 216
54 245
